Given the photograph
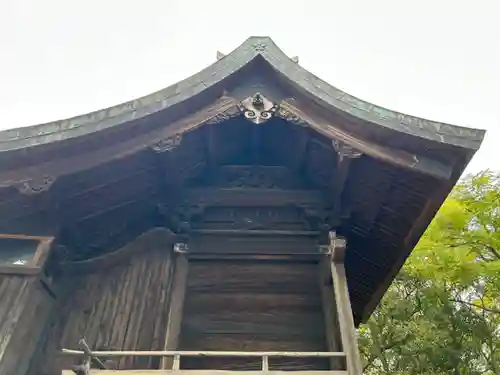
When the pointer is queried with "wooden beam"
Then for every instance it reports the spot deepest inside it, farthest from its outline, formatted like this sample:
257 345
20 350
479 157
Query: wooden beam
343 164
250 197
80 161
344 313
19 270
330 313
203 353
259 257
253 232
24 237
398 157
176 307
42 252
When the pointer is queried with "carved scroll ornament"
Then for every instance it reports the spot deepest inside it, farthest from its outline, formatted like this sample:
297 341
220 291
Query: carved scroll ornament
224 116
290 117
257 108
35 185
167 144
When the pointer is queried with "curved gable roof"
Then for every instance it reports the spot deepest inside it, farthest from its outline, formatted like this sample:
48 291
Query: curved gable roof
221 70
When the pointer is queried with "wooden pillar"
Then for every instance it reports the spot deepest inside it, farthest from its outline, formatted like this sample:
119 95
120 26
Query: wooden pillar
343 304
330 314
176 304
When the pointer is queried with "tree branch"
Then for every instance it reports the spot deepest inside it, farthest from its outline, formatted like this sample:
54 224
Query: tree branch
494 311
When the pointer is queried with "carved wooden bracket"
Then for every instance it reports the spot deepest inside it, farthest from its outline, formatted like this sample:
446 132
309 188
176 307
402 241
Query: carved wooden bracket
345 151
167 144
258 108
224 116
290 117
35 185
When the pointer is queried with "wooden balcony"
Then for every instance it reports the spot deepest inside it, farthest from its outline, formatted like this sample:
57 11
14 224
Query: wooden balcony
175 357
204 372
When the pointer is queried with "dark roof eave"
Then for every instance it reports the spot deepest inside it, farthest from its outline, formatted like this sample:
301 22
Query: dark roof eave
332 97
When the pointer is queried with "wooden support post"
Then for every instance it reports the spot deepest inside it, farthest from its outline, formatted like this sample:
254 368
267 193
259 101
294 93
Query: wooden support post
175 311
343 303
330 314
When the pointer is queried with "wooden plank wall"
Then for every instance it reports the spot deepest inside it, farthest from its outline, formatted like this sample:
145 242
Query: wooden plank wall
253 305
24 309
119 307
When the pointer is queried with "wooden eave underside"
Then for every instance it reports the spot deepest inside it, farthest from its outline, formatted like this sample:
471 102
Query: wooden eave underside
99 209
97 176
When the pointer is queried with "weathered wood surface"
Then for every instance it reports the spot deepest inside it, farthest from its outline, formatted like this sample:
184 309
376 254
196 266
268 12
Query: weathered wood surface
120 307
176 307
24 308
345 318
253 306
332 330
205 372
252 244
200 353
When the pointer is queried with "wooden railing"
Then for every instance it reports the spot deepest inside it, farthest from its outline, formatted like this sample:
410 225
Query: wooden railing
177 355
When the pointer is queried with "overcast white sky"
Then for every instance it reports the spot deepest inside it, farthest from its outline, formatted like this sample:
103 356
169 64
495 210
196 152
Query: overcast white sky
438 59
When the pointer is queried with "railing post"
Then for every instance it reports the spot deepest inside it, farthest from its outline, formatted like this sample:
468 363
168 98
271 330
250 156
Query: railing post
177 362
343 303
176 304
265 363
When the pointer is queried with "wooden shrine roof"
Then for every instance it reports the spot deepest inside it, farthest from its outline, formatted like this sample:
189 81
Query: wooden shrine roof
224 69
95 181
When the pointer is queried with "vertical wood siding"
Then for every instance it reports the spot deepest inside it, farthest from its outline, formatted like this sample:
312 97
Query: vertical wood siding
121 307
24 308
253 306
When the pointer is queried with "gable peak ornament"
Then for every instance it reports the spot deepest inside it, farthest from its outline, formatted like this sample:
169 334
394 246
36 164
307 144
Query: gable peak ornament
259 47
257 108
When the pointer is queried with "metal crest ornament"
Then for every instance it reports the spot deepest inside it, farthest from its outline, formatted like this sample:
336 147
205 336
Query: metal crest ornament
167 144
258 108
345 151
259 47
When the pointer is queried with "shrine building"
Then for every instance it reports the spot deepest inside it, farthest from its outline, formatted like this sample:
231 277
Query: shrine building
242 221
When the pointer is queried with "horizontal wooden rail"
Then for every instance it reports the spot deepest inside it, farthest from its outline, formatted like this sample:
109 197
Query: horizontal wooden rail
157 353
178 354
252 232
207 372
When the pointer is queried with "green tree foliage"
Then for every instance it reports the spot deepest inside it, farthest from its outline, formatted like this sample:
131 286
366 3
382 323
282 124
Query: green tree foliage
442 313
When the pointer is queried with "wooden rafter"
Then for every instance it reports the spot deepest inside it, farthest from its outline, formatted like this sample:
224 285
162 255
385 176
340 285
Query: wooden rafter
393 156
77 162
409 242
